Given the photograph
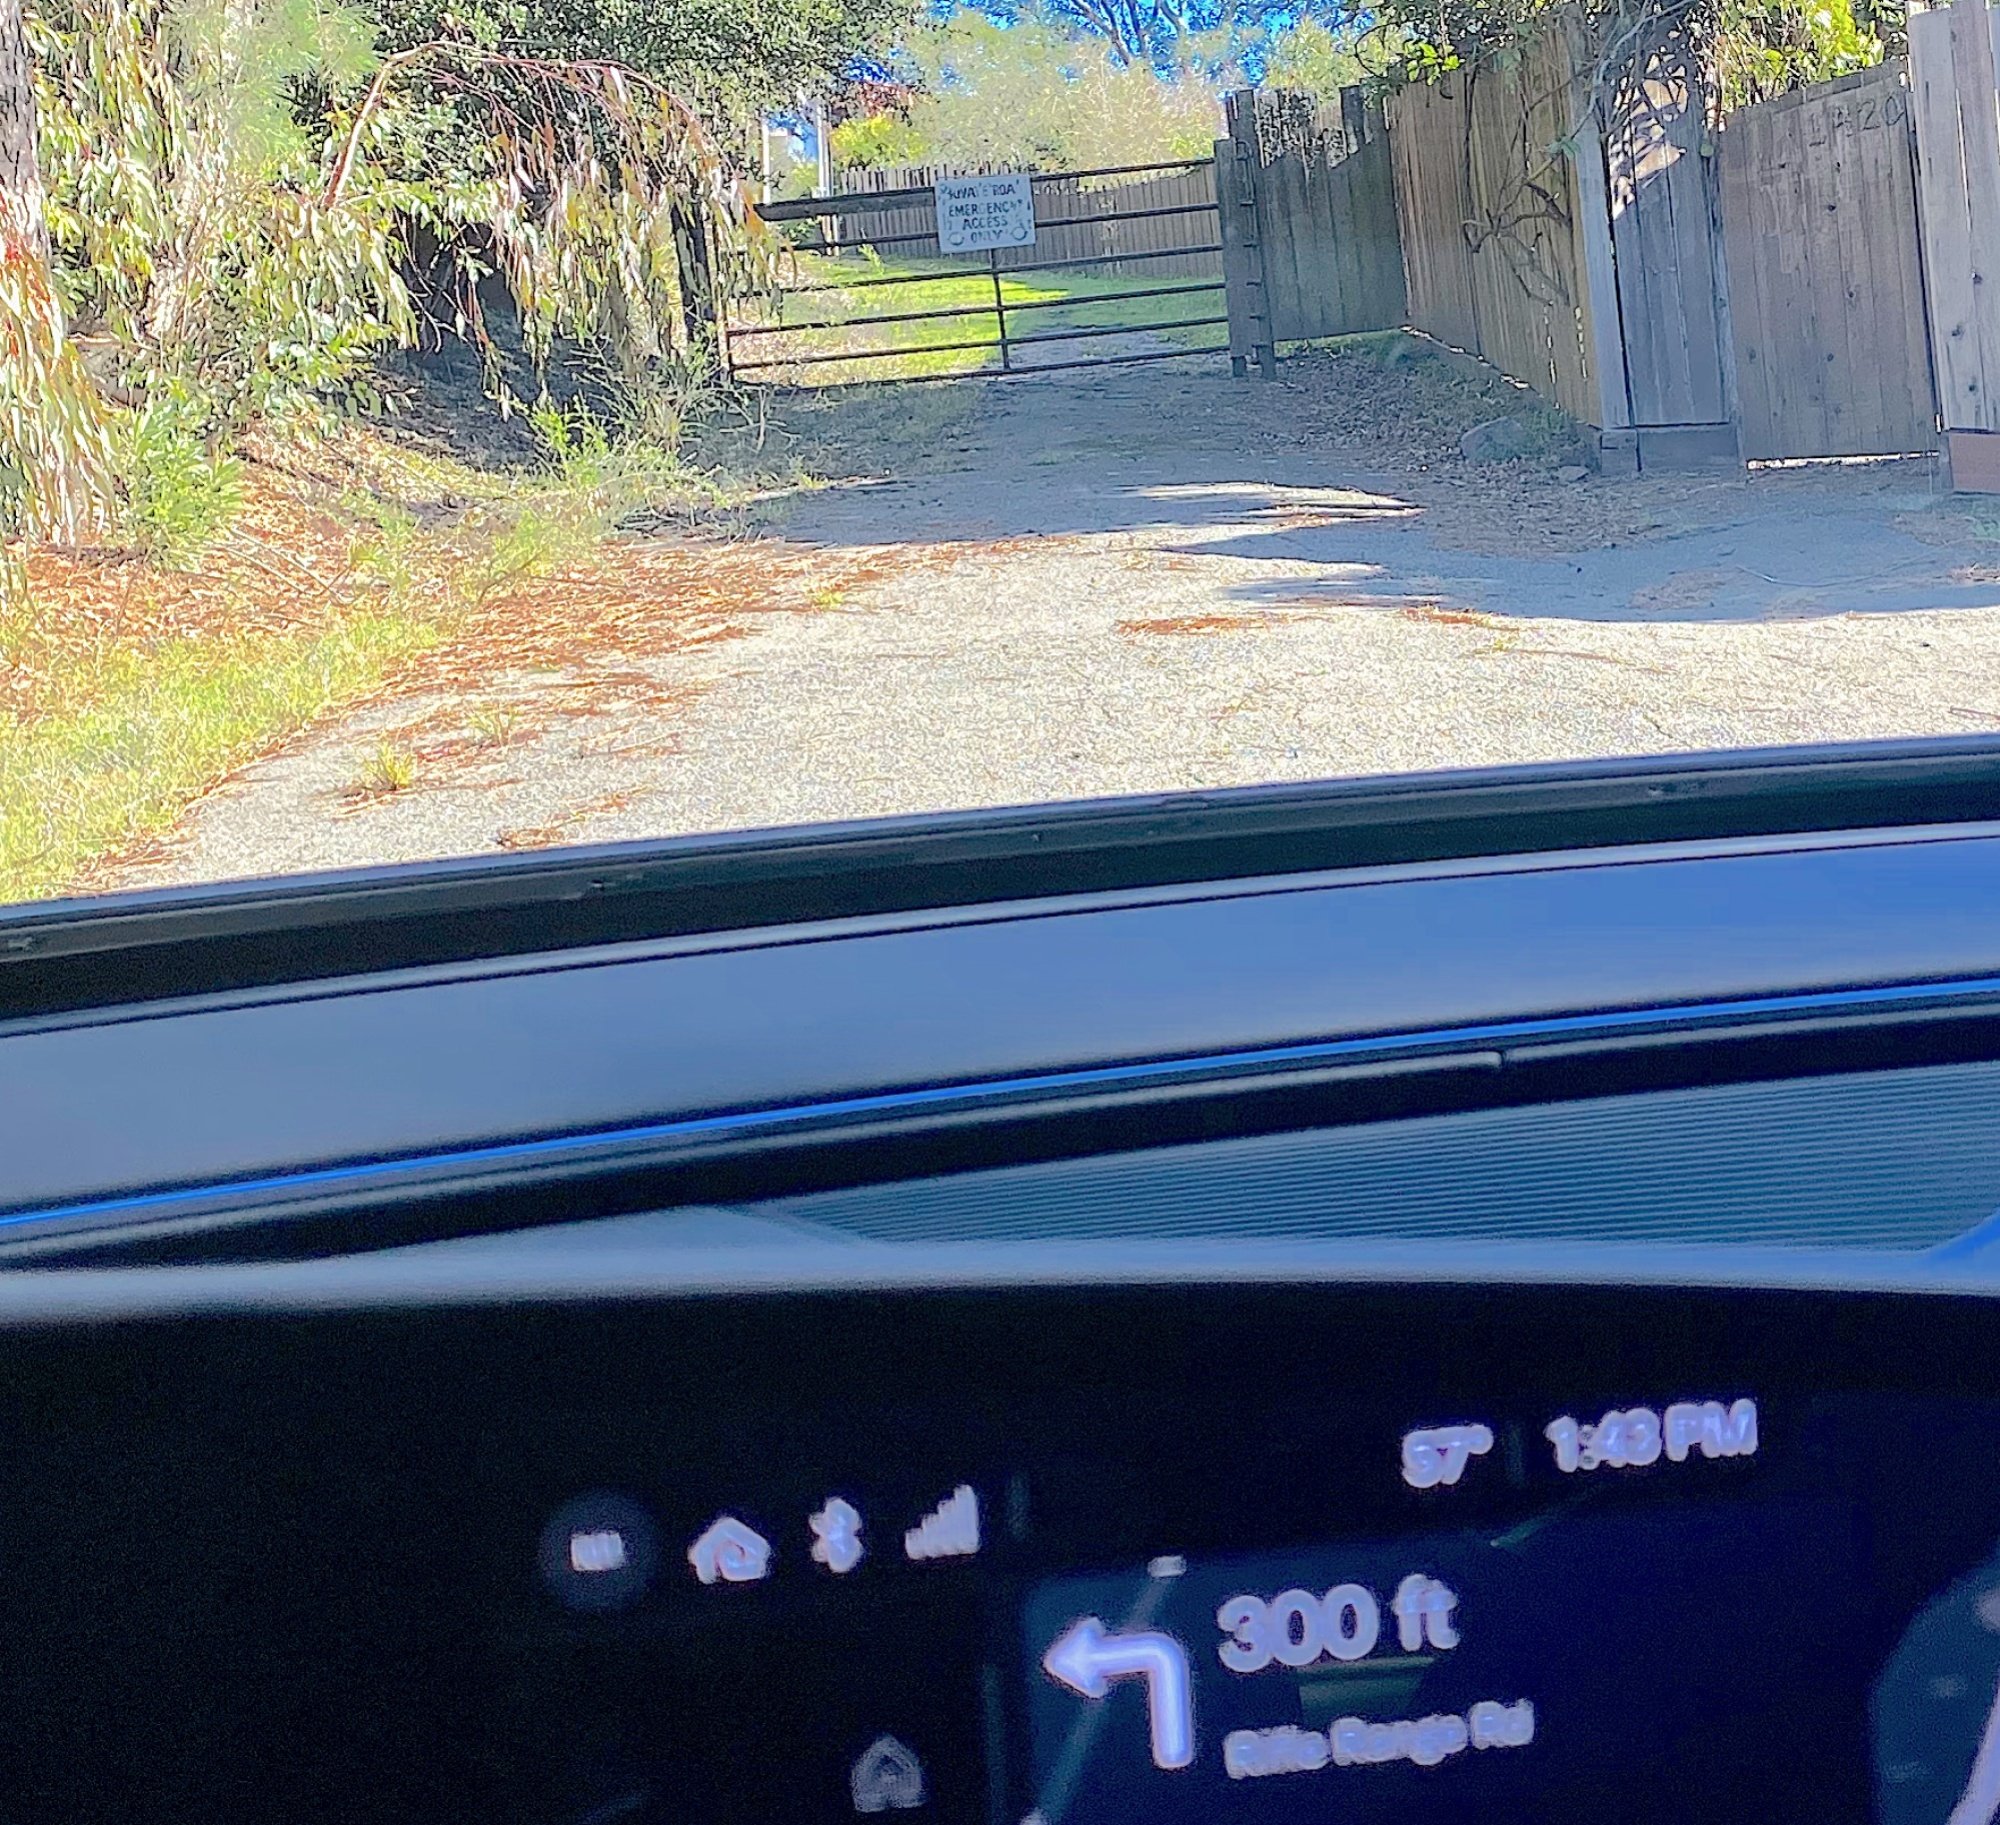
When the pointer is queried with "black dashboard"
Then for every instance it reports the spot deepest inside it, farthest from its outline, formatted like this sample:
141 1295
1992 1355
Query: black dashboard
1109 1553
1415 1303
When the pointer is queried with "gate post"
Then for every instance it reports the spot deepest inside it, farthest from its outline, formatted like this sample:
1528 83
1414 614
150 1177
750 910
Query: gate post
1956 97
1236 162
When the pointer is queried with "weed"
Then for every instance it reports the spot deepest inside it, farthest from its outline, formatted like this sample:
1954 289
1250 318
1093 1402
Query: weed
658 403
384 553
386 771
180 495
597 480
494 725
1551 432
540 537
825 597
1384 349
576 443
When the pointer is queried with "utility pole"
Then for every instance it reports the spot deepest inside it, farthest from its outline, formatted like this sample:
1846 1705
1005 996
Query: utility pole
823 142
829 226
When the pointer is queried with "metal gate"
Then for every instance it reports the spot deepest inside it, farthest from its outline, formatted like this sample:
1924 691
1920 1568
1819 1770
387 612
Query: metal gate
1128 269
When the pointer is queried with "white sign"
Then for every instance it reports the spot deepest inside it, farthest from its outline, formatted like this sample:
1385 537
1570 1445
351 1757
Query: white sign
975 213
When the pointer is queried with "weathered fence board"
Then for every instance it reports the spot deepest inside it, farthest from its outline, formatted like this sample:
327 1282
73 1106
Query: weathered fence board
1945 223
1427 126
1493 231
1319 238
1242 256
1528 266
1340 246
1819 212
1958 169
1668 251
1600 274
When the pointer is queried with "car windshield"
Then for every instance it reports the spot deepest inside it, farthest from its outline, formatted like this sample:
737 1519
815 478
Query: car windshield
464 427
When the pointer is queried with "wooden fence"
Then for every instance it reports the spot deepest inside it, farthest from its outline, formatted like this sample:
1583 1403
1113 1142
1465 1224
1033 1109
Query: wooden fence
1957 110
1077 204
1312 246
1815 279
1826 281
1586 236
1493 229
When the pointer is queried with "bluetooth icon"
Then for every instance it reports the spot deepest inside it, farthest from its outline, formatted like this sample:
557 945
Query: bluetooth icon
836 1535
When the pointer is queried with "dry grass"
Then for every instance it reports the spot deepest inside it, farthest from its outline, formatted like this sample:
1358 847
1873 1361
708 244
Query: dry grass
370 574
359 571
1210 623
280 570
126 691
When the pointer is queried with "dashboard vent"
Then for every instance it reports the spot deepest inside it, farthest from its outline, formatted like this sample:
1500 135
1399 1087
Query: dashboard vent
1900 1160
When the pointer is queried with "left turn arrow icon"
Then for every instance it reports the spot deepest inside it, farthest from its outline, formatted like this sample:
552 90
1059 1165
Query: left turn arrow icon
1087 1659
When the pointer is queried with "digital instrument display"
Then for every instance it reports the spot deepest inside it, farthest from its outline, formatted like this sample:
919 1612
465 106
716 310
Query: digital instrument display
1669 1593
1530 1667
1169 1556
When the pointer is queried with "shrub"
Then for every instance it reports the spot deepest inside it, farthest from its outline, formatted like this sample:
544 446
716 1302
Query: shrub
181 493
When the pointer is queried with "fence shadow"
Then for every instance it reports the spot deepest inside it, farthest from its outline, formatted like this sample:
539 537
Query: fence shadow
1805 567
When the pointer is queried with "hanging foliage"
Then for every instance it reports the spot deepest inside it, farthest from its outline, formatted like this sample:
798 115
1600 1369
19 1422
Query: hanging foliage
232 187
1751 49
596 195
54 476
55 449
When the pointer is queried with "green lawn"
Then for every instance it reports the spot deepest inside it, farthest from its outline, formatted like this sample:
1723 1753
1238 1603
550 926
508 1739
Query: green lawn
848 320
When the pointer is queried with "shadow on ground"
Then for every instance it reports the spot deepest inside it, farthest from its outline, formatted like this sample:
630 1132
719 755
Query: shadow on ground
1196 466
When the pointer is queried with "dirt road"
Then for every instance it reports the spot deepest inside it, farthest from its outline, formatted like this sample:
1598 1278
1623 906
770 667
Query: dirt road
1158 578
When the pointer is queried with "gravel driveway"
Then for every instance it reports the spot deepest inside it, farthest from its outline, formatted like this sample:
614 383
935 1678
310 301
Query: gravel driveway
1159 578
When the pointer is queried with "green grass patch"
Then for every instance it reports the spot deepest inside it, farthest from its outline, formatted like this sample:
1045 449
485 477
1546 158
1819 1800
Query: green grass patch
131 685
144 731
849 320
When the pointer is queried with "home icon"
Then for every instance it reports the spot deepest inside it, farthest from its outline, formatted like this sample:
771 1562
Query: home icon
887 1777
728 1552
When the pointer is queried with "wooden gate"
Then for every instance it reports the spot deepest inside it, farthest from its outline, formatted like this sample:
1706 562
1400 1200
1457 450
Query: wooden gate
1667 244
1826 293
1310 243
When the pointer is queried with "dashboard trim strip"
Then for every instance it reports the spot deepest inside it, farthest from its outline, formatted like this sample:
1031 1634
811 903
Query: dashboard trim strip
166 943
1680 1018
439 1276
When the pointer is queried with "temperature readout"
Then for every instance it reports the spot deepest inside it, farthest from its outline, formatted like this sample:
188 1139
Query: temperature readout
1434 1455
